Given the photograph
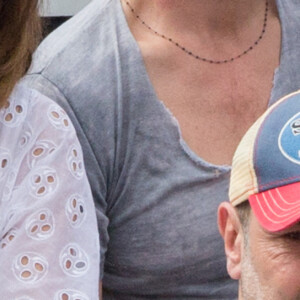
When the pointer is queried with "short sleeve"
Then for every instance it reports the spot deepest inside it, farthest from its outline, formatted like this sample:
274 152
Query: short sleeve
49 243
96 141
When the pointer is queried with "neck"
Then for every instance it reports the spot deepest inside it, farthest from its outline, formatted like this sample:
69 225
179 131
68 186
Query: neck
214 17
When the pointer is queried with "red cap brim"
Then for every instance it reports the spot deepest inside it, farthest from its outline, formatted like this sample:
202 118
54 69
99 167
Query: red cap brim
278 208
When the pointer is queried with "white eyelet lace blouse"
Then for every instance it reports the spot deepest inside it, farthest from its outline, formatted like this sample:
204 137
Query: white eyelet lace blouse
49 245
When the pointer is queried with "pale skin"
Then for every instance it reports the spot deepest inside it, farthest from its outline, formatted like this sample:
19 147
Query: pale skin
214 104
266 264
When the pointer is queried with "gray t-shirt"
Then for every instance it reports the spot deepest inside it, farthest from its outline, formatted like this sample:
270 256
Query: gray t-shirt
156 200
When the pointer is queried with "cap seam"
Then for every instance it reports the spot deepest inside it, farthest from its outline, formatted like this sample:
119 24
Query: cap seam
280 181
252 170
252 189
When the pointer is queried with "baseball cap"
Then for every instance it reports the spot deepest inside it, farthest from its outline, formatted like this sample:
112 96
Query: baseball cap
266 166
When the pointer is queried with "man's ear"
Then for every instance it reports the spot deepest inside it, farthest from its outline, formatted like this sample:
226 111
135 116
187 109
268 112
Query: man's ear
231 230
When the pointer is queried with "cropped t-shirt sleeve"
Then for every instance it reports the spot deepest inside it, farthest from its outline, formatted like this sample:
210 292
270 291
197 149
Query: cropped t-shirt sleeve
49 243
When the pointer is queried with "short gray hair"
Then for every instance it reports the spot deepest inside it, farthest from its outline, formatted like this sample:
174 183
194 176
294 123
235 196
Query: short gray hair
243 211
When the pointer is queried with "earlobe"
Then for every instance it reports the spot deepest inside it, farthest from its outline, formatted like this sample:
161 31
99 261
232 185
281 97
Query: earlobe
231 231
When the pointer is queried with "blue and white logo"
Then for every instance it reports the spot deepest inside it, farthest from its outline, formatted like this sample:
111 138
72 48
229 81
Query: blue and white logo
289 139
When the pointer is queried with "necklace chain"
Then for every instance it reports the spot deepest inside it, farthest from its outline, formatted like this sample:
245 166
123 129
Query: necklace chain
190 53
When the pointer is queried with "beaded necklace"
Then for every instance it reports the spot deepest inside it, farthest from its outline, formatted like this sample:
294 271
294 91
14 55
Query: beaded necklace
190 53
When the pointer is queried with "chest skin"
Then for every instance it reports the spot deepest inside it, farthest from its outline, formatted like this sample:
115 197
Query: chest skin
214 104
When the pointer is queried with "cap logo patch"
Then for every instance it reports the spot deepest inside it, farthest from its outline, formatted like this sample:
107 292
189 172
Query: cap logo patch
289 139
296 127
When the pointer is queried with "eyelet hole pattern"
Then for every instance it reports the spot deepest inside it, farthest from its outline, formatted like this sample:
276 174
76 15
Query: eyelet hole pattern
7 238
66 122
74 202
41 190
43 182
40 225
37 179
38 151
75 210
70 295
39 267
68 264
24 260
4 163
72 252
55 114
19 109
50 179
46 228
8 117
80 265
34 228
30 267
26 274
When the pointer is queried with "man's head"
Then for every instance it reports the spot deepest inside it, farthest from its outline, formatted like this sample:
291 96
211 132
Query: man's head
261 224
